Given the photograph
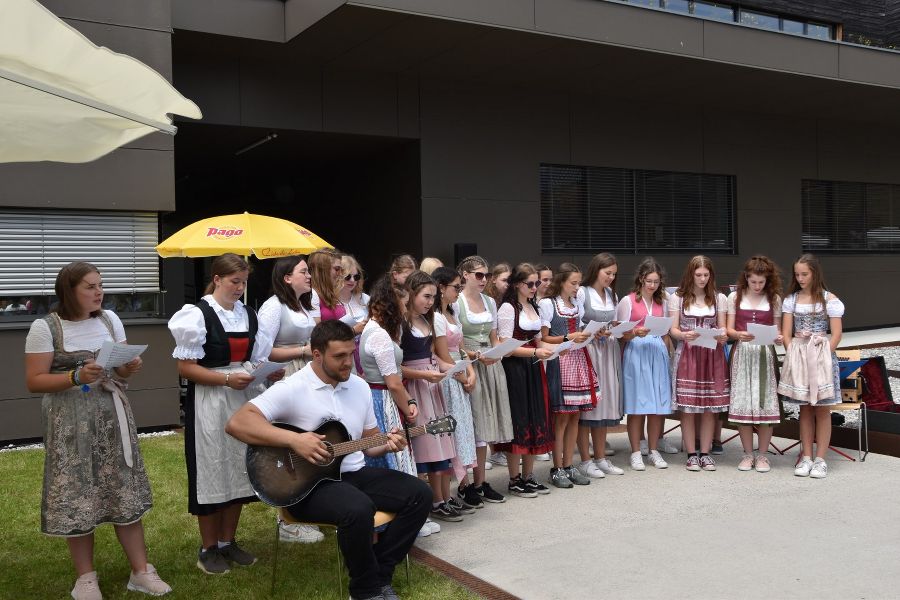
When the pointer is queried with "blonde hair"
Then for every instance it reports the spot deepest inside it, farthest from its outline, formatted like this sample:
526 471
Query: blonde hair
429 264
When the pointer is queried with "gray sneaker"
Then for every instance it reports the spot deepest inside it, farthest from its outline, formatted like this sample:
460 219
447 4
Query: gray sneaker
576 477
560 478
237 555
389 593
211 561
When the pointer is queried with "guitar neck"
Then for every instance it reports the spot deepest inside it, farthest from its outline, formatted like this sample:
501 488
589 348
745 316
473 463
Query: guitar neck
345 448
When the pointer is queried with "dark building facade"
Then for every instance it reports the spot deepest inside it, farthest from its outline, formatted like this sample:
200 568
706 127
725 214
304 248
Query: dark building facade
544 130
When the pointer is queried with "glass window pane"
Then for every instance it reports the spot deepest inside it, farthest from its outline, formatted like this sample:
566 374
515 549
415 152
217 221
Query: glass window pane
762 20
817 30
789 26
683 6
651 3
714 10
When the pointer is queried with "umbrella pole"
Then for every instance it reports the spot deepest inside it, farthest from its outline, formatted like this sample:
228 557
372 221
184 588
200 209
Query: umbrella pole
246 260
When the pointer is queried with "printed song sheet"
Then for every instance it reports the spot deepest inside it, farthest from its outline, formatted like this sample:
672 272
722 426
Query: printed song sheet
763 335
707 337
114 355
503 348
658 325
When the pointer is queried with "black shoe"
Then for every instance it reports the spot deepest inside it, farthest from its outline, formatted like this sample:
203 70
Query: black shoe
445 512
489 494
237 555
463 509
468 496
518 488
534 486
717 448
211 561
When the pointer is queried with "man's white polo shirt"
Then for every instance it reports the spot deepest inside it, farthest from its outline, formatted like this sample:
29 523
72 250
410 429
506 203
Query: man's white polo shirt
306 401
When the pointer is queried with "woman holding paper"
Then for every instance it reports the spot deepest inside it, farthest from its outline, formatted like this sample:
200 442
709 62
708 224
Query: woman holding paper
525 376
456 388
288 316
754 393
597 299
490 397
571 381
214 340
93 469
701 385
646 389
809 376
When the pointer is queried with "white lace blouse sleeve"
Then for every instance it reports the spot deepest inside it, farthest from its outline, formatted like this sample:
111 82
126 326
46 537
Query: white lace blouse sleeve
673 304
39 338
262 345
440 325
506 317
492 306
545 311
623 309
787 305
380 345
270 317
189 330
730 308
721 303
834 308
776 307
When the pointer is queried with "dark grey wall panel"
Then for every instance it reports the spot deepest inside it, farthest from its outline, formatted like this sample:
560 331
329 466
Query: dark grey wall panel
153 48
256 19
869 66
359 102
213 83
145 14
279 95
618 24
299 15
769 49
123 180
508 13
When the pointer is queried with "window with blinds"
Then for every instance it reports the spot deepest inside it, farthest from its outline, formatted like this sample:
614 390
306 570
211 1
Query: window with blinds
848 216
35 245
590 209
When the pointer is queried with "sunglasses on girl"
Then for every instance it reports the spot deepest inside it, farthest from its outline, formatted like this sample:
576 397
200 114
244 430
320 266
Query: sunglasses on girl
480 276
356 277
458 287
531 284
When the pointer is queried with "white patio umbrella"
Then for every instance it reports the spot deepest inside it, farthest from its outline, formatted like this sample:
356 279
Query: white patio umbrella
64 99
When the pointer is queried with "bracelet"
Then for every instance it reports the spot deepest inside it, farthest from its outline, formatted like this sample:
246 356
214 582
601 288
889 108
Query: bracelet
566 337
75 377
71 375
227 375
534 354
412 402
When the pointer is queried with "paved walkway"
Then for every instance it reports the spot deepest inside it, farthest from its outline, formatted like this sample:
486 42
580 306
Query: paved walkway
673 534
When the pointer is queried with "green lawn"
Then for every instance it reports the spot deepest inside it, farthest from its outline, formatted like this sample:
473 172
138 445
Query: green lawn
33 565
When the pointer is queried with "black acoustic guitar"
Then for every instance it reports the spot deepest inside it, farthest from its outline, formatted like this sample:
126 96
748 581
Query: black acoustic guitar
281 477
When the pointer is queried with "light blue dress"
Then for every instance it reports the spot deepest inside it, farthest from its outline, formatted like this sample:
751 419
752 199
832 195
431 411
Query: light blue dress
646 377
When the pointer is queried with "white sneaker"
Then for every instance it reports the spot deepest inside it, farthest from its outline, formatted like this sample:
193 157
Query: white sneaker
608 468
667 447
656 460
498 458
589 469
148 582
819 469
608 450
645 449
488 465
804 467
425 531
433 525
298 532
637 461
87 587
544 457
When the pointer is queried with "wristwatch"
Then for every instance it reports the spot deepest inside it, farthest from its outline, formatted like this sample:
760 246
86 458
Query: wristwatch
566 337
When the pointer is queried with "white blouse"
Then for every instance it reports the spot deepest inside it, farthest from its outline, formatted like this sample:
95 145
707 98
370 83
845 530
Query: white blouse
833 306
477 318
607 302
694 310
270 317
547 306
745 305
506 320
623 308
380 345
189 330
357 307
88 334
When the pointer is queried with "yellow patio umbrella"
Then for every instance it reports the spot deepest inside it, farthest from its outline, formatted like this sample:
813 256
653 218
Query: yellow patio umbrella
244 234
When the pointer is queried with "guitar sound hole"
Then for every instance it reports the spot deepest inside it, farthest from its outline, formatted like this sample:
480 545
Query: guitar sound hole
330 460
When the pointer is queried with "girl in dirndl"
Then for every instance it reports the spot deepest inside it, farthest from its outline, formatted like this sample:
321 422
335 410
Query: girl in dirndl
93 469
354 300
809 376
490 397
214 340
754 377
572 383
597 300
527 381
646 377
700 381
422 377
456 389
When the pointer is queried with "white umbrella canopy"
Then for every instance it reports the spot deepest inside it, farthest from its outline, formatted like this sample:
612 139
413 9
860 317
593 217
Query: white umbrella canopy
64 99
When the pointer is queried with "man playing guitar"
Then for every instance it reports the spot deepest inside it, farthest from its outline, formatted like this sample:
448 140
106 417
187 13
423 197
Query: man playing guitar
326 390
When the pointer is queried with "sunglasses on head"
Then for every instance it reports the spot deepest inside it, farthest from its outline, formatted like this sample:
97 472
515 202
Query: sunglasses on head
356 277
531 284
480 276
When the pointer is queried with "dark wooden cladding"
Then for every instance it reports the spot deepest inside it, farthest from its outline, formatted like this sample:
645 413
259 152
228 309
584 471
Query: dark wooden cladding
867 22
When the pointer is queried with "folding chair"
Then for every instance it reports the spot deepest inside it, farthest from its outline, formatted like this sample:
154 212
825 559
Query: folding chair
284 516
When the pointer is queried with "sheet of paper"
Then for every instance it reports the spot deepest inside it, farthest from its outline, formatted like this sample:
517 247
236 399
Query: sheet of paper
590 329
763 335
265 369
114 355
560 349
622 328
458 367
503 348
350 319
707 337
658 325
